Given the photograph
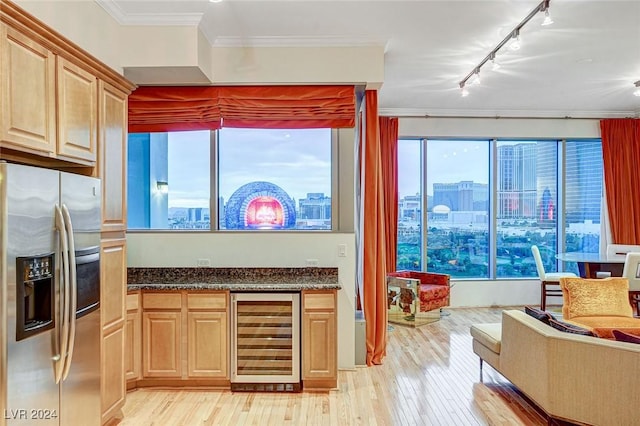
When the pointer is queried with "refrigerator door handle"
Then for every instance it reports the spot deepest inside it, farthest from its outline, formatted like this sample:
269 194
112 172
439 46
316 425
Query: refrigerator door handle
63 335
74 291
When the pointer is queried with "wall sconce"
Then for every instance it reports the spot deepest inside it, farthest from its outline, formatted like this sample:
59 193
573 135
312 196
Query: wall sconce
163 187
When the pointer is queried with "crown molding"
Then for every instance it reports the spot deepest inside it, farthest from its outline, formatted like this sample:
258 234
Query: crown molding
297 41
504 114
173 19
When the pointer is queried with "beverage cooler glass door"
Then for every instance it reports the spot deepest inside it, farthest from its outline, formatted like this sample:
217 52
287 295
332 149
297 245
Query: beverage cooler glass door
266 338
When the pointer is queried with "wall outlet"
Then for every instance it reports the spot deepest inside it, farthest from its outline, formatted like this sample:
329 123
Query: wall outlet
342 250
203 262
312 262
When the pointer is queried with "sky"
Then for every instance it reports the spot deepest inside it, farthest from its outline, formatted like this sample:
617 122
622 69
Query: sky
299 161
295 161
448 161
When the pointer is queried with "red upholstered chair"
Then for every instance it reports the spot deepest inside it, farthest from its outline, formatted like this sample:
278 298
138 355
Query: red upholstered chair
415 298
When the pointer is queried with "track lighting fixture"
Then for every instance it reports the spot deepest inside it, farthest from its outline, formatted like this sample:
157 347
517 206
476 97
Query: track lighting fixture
637 91
513 39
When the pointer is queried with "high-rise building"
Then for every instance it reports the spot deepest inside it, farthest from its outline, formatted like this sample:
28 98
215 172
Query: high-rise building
315 206
583 181
461 196
195 214
410 207
524 170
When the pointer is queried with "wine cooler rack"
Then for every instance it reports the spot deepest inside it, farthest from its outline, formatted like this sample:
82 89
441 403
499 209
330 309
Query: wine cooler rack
266 338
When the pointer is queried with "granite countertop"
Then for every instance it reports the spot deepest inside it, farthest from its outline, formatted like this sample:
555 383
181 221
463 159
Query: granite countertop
234 279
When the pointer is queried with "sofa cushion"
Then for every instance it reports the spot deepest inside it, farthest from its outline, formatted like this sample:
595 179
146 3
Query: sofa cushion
621 336
604 326
570 328
538 314
595 297
489 335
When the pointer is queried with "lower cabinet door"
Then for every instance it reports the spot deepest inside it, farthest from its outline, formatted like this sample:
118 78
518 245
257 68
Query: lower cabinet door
161 334
207 344
113 385
319 345
132 356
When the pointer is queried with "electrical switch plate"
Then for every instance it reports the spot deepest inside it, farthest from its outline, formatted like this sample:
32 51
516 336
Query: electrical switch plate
203 262
342 250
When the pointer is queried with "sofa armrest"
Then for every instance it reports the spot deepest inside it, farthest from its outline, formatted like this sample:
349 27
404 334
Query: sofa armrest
568 374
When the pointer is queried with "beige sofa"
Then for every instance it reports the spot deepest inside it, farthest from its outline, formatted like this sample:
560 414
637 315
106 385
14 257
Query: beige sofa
571 377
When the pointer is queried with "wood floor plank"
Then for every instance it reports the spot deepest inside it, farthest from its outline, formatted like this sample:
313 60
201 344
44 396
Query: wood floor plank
429 377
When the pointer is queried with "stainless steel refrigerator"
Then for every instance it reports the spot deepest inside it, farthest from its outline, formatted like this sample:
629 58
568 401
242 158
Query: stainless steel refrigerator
49 297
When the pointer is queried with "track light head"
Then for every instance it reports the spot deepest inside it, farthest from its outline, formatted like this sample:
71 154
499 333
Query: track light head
515 40
547 18
463 90
637 91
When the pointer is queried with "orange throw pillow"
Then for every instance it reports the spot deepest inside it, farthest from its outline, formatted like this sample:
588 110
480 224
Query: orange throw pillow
595 297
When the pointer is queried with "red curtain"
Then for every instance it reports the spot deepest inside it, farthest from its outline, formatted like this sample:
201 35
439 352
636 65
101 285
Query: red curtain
389 153
374 291
174 108
287 107
621 157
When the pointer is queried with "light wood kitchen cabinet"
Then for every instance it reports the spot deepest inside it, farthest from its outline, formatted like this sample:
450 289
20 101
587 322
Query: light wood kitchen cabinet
161 335
49 96
319 345
28 94
112 312
184 339
133 336
49 105
207 336
112 157
77 92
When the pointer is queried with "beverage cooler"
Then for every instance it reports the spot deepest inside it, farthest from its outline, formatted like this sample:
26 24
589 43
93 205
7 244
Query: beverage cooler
265 343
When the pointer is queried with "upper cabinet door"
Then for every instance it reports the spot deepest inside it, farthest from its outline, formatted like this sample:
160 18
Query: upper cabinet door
27 100
77 112
112 164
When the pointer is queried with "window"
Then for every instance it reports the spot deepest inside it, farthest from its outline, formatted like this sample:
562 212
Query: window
481 227
265 180
274 179
583 197
458 212
409 256
527 206
168 180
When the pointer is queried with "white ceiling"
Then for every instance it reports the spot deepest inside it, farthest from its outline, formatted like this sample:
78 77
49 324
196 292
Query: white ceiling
584 65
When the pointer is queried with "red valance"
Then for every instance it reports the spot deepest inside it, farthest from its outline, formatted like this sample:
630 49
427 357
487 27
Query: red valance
175 108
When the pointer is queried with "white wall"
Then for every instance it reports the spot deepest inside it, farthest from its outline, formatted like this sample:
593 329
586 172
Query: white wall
498 128
83 22
253 249
170 54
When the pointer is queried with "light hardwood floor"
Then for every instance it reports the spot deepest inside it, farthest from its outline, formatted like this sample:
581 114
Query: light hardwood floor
430 377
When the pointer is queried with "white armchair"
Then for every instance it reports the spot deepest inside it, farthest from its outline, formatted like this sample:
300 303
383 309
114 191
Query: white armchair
631 271
619 251
549 282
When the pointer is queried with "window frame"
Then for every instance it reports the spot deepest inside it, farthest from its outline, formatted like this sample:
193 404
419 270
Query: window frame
560 226
336 226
